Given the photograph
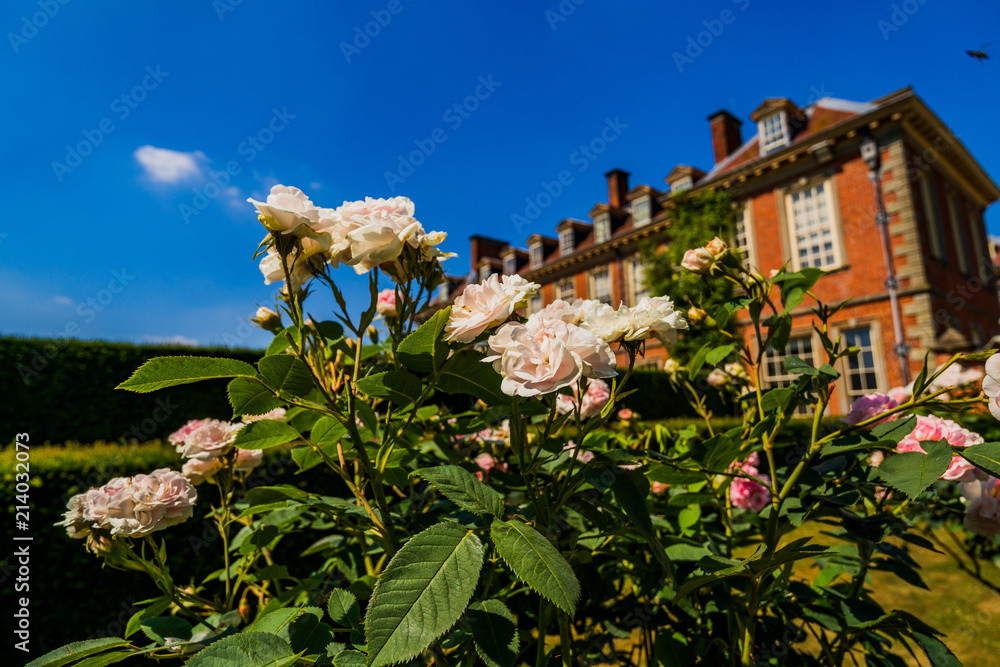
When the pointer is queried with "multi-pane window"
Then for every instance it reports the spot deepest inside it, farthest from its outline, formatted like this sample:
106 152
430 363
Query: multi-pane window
861 376
774 373
773 132
601 284
682 184
640 211
602 228
958 235
566 242
741 233
485 271
639 288
565 290
932 215
812 233
536 254
510 265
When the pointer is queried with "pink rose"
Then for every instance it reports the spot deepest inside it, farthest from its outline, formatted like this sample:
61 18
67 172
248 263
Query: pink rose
487 304
541 357
594 399
982 513
718 378
151 502
625 414
583 457
386 305
698 260
749 491
197 471
248 459
658 487
177 437
933 429
485 461
900 394
866 407
717 247
211 439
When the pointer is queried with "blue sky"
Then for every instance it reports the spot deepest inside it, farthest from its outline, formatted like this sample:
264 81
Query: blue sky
129 239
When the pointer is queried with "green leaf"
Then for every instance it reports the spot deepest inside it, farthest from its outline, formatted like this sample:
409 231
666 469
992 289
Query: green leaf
863 614
913 472
349 659
343 608
718 354
777 398
161 372
423 591
894 430
465 373
246 649
264 433
105 659
249 397
401 387
797 366
462 488
285 374
494 632
281 341
779 330
157 607
325 434
161 627
985 457
329 330
425 350
698 361
534 560
939 654
76 651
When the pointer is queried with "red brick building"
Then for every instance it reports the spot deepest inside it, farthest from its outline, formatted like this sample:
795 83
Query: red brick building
805 198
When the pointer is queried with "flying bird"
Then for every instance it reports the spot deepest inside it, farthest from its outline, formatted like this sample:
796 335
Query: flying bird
979 55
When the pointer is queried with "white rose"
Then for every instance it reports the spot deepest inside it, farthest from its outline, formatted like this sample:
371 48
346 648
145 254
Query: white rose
655 317
484 305
606 322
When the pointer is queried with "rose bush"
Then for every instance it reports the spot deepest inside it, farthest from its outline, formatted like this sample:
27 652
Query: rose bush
479 508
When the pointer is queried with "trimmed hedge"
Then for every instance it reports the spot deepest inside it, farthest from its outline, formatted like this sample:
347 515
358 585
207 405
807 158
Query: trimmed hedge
656 398
63 390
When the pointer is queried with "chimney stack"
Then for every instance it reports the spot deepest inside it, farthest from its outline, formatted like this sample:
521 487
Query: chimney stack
617 187
484 246
726 136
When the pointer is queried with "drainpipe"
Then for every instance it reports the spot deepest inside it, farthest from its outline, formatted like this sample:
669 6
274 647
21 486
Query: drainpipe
872 157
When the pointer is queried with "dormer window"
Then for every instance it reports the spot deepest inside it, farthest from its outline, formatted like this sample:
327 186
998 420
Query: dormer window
566 242
602 228
485 271
536 254
510 265
773 131
640 211
681 184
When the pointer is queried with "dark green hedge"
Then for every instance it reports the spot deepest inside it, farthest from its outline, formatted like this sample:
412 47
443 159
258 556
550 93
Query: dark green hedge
60 390
656 398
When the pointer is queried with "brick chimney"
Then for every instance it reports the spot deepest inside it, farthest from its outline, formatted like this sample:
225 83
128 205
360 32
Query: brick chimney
483 246
726 136
617 187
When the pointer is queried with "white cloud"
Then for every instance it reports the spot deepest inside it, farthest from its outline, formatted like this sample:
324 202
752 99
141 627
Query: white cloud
171 340
63 300
316 185
167 166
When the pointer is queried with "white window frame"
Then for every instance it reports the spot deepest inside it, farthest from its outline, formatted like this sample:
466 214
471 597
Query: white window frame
536 253
749 251
566 289
602 228
593 285
636 279
773 141
567 242
874 369
782 378
682 184
957 236
645 204
832 220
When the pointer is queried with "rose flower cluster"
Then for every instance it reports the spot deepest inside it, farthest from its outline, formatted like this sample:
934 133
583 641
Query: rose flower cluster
206 442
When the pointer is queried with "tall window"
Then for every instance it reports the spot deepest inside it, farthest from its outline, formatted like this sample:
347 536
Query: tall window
981 259
741 232
814 242
565 290
774 373
861 377
510 265
932 215
639 289
958 235
536 254
602 228
601 285
773 132
641 211
566 242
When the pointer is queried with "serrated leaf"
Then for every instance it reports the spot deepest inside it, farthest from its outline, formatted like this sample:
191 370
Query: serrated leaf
913 472
862 614
249 396
425 350
719 353
349 659
161 372
343 608
104 659
534 560
263 434
325 434
797 366
157 607
985 456
938 654
400 387
76 651
246 649
161 627
462 488
465 373
423 591
494 632
894 430
285 374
